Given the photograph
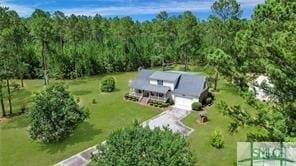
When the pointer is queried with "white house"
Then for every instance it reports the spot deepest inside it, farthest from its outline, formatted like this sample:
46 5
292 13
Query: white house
183 88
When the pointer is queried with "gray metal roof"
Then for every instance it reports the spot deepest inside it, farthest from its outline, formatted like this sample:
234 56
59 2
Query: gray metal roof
190 85
187 83
144 74
166 76
142 82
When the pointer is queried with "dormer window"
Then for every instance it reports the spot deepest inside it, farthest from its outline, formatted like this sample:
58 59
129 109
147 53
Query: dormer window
159 82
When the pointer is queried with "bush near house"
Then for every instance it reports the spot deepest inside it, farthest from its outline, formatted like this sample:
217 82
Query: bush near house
208 101
158 103
196 106
107 84
130 97
217 139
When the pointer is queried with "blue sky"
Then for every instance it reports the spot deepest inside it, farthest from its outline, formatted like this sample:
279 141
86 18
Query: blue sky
137 9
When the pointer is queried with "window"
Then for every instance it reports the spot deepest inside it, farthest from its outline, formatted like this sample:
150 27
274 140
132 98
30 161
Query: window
159 82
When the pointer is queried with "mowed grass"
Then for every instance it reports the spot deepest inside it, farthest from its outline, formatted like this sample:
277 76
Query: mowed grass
199 140
111 112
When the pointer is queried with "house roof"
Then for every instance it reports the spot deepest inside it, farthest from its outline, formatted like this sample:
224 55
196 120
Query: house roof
190 84
187 83
166 76
142 82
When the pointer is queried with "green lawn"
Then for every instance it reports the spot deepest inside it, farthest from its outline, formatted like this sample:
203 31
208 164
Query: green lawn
111 112
199 139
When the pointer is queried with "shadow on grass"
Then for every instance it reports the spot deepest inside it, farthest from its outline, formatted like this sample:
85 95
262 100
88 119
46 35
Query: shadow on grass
116 90
76 82
80 92
84 133
229 88
17 122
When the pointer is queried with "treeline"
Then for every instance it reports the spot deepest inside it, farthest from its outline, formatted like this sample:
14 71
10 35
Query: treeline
47 45
59 46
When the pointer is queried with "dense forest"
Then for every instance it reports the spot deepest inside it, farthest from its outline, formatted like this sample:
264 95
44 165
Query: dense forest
53 45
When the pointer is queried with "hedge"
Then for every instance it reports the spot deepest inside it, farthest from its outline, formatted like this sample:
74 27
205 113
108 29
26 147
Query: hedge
157 103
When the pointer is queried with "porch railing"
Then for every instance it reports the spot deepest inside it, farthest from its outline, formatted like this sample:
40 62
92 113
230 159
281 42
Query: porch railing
159 98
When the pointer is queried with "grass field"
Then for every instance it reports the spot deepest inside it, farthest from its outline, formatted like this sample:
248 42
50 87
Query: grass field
199 139
111 112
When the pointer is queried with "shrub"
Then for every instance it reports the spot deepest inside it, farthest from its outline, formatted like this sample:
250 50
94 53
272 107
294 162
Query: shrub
108 84
166 104
94 101
137 145
55 114
250 98
126 96
211 95
77 99
132 98
209 100
217 139
157 103
170 101
196 106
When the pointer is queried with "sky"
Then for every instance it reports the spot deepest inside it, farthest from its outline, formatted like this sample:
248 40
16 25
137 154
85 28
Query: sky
140 10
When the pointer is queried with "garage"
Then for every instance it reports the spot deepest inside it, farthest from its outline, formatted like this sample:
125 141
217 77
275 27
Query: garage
183 103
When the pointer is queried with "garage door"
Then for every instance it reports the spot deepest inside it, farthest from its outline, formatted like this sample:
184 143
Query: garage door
183 103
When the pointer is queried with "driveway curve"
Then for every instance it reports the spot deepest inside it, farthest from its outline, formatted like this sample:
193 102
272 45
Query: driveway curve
171 118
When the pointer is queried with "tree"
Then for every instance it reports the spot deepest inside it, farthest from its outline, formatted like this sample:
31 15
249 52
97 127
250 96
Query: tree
161 36
43 31
275 22
188 39
226 9
222 63
55 114
7 53
270 124
74 29
223 25
2 100
136 145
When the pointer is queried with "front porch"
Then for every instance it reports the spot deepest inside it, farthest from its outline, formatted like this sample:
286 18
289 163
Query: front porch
149 94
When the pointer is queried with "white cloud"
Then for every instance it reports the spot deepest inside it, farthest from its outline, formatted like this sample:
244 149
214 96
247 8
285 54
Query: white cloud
250 3
22 10
131 7
150 8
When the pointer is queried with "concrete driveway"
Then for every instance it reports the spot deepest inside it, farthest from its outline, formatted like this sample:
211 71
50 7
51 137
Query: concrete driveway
171 119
